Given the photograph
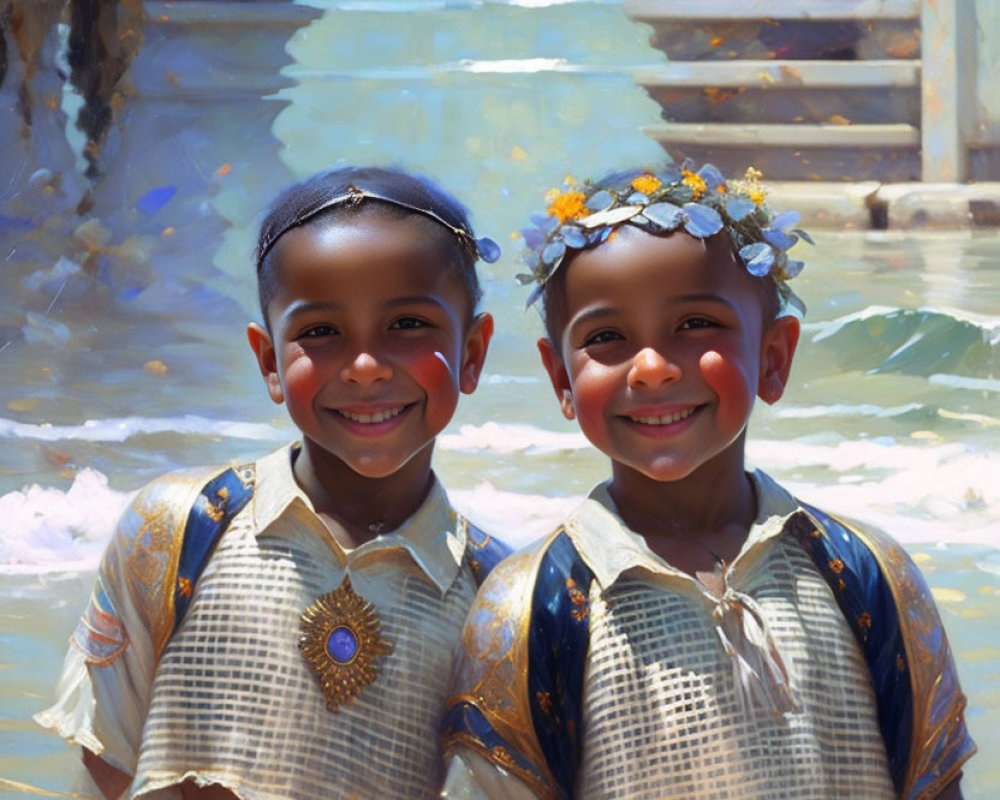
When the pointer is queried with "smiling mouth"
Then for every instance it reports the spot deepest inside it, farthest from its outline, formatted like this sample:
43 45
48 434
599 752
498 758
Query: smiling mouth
372 419
665 419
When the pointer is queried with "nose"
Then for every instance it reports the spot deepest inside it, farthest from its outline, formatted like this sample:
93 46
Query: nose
364 369
651 368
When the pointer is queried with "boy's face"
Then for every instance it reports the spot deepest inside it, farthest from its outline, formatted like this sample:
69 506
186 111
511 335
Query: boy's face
664 347
371 339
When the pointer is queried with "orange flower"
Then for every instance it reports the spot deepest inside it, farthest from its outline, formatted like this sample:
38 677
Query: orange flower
695 181
566 205
646 183
756 194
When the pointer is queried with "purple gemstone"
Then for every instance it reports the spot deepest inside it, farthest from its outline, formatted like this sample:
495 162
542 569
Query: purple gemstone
342 645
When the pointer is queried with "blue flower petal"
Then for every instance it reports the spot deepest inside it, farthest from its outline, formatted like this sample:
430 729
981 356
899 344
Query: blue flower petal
670 174
489 251
155 199
545 223
793 268
701 221
600 200
574 237
553 253
786 219
637 198
666 215
779 239
739 208
712 177
599 236
758 257
533 238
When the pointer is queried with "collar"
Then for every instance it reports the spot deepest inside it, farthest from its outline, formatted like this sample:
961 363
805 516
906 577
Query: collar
610 547
433 536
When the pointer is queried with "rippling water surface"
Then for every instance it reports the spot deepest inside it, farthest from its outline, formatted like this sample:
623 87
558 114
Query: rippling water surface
123 354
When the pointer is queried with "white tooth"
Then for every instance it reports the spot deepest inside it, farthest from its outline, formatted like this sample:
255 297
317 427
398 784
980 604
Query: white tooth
368 419
665 419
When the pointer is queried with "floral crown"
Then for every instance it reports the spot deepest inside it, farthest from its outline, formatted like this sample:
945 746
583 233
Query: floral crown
702 203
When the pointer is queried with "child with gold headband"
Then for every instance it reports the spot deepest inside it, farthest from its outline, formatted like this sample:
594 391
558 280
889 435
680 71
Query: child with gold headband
284 629
692 630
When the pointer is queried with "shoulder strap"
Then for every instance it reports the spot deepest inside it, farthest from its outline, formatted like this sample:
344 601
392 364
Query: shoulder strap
558 643
520 668
889 608
217 503
866 601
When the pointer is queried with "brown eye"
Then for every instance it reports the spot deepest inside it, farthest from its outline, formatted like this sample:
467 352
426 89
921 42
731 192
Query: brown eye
697 322
602 337
318 331
409 324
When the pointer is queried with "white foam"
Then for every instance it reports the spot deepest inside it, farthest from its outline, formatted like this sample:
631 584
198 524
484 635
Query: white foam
47 529
962 382
515 518
122 428
844 410
510 438
919 493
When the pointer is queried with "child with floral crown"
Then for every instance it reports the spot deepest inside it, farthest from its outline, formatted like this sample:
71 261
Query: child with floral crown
692 630
284 629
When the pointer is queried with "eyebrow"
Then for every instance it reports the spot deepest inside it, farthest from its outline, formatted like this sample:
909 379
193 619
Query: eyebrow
303 307
300 307
600 312
415 300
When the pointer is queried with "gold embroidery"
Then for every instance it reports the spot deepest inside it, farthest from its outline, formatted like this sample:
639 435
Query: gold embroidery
493 660
341 640
937 701
581 607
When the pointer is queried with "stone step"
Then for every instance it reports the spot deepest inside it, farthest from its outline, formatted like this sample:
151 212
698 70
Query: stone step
903 73
721 134
683 10
870 205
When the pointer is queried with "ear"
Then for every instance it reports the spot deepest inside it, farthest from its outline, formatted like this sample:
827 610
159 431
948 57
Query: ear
776 353
553 362
267 360
477 343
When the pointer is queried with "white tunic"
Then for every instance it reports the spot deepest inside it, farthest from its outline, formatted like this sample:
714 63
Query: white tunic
668 712
234 702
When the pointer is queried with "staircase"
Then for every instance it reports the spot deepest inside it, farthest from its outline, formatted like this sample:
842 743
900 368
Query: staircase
817 90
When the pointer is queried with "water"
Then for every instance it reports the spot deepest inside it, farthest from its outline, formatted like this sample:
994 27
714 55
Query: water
123 354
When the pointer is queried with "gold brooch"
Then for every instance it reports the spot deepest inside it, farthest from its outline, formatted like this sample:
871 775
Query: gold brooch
341 638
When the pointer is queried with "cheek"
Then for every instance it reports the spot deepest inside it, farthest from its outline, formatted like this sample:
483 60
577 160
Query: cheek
432 371
592 395
301 382
729 379
436 377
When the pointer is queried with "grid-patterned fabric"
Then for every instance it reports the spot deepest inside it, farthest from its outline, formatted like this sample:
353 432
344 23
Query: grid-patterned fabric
234 701
661 709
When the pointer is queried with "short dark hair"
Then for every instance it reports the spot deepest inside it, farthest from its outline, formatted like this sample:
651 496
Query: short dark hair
391 191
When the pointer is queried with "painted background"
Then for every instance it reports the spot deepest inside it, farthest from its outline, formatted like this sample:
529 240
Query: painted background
126 283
